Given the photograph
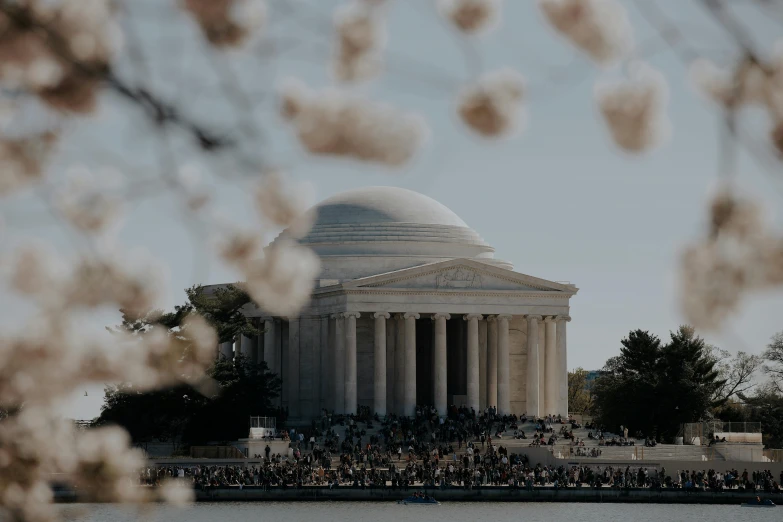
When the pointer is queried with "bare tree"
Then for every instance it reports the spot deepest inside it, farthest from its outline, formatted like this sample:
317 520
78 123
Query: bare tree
737 371
774 361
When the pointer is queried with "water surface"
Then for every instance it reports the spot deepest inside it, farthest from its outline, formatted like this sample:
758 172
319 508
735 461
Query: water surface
391 512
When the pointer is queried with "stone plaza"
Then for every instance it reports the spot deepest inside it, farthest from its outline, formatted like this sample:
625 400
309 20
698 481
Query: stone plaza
412 308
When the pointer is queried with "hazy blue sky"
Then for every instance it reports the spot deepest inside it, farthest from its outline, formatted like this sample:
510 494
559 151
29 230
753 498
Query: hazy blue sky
558 200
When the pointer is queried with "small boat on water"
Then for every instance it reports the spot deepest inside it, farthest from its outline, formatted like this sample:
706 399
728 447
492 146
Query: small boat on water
759 503
425 500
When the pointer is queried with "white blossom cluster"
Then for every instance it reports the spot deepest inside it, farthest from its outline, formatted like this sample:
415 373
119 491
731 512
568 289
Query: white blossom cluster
634 110
471 16
23 160
331 122
600 28
54 357
752 83
738 256
493 106
228 23
58 50
360 38
34 446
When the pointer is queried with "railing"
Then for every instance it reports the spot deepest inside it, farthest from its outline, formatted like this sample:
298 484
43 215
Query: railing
698 433
731 427
263 422
657 453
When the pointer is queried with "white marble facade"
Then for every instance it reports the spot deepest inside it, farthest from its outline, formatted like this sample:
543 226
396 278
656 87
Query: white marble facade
411 307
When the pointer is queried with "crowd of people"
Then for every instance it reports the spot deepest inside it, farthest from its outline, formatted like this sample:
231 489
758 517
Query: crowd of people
461 449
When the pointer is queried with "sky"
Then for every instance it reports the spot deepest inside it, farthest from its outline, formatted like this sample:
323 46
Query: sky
557 199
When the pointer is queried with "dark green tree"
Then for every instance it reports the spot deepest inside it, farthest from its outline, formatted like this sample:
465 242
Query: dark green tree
220 408
159 415
220 306
244 389
654 387
628 383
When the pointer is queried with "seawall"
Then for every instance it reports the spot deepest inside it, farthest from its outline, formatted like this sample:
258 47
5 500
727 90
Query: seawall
485 494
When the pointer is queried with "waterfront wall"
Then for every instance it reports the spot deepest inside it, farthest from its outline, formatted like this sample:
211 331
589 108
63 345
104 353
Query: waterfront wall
543 456
485 494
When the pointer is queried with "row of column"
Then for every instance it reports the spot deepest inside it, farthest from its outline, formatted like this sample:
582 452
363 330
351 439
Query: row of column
546 382
552 397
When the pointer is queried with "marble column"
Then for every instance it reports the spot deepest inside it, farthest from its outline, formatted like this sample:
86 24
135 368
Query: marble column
227 351
562 366
409 401
326 368
440 369
246 344
350 362
473 361
293 368
533 399
551 379
482 332
399 365
503 365
339 364
269 343
315 368
492 361
379 395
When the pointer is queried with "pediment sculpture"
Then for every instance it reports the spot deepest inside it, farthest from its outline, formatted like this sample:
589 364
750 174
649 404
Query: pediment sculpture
458 278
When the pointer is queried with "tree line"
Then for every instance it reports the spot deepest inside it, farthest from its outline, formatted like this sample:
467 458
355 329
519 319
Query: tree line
655 386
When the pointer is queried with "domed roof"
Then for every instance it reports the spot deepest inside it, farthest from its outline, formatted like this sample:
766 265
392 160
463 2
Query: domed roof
389 228
384 205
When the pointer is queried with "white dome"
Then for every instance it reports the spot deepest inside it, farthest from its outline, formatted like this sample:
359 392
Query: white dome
384 205
374 230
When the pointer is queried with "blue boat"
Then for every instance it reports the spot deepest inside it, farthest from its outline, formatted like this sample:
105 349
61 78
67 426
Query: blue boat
426 501
759 503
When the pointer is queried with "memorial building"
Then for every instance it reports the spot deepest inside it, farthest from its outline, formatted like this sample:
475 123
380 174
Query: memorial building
411 307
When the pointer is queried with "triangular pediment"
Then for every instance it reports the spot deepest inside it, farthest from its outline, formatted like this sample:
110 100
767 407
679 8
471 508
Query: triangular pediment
459 275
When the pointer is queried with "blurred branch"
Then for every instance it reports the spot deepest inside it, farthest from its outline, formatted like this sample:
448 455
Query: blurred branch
161 112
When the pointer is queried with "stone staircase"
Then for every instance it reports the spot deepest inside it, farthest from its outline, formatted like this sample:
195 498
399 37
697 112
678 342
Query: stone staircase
661 452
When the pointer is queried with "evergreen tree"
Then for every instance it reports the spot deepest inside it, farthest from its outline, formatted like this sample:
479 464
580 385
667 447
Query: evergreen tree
653 387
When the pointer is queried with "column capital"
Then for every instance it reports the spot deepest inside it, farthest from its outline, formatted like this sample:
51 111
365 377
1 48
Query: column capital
470 317
378 315
533 317
336 316
412 315
550 318
506 317
492 318
439 316
352 314
566 318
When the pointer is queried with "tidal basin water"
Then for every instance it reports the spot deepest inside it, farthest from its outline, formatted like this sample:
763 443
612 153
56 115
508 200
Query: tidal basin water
391 512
